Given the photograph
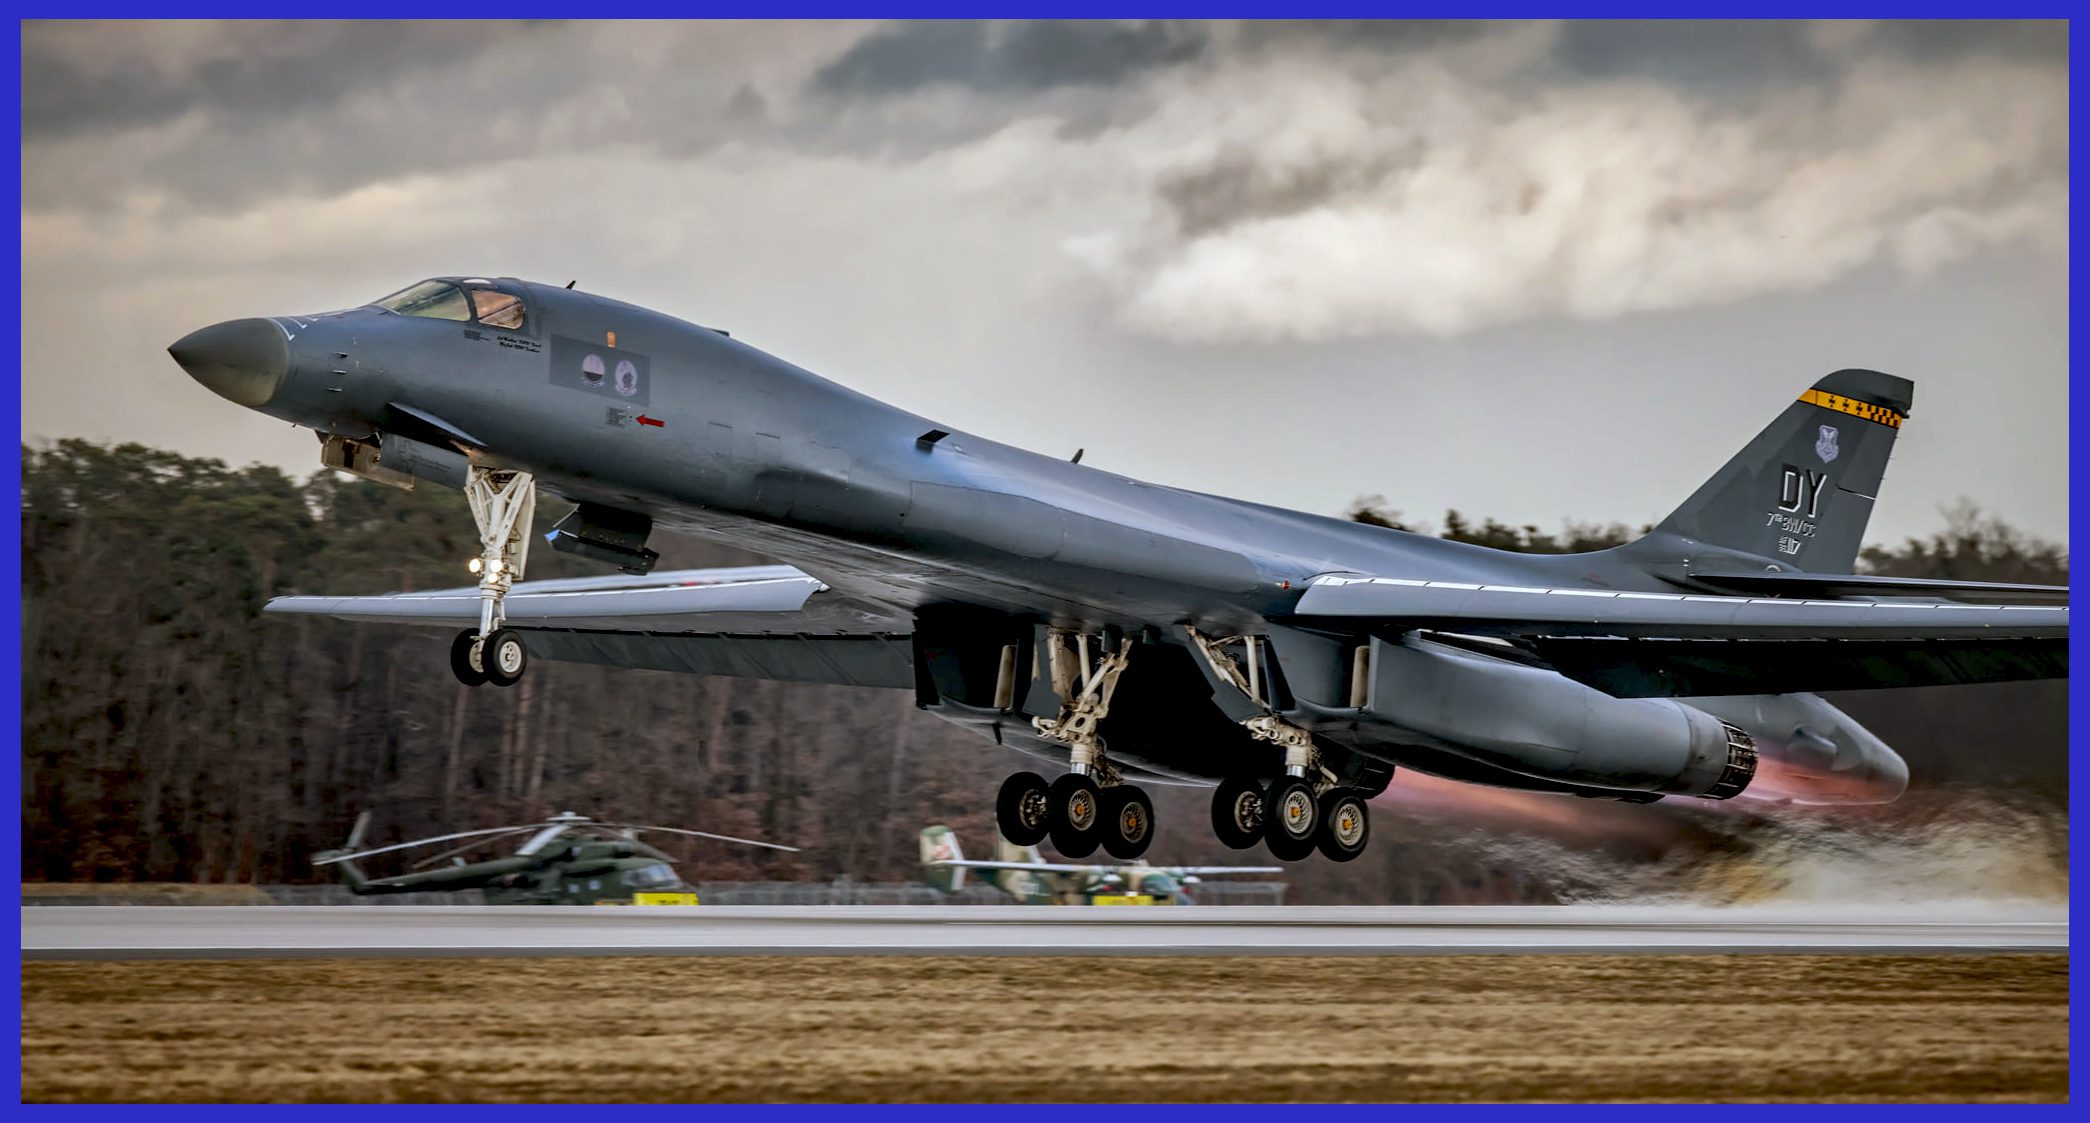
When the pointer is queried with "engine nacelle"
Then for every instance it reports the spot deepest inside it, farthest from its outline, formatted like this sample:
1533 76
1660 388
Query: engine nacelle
1534 722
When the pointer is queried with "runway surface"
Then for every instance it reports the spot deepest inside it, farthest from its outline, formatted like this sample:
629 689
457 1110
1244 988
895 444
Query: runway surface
202 932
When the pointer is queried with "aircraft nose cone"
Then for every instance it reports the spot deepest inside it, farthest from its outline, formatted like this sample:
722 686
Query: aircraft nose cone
243 361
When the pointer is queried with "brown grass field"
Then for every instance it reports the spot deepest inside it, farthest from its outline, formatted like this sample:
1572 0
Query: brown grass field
1498 1028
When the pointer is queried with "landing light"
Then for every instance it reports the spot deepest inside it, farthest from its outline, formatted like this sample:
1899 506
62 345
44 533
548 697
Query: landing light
473 566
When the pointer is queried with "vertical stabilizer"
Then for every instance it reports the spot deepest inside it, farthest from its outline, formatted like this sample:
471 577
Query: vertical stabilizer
1801 493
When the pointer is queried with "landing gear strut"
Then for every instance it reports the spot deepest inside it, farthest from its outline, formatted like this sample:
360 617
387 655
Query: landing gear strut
1091 805
503 502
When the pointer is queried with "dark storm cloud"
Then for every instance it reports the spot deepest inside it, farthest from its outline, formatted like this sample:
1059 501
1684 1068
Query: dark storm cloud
1011 58
1365 34
253 69
1696 52
1935 40
326 108
1729 54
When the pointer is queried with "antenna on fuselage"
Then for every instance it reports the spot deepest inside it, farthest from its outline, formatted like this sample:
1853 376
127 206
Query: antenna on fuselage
570 284
1077 455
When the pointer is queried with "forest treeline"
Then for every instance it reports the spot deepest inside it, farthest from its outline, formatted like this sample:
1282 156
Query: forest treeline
171 733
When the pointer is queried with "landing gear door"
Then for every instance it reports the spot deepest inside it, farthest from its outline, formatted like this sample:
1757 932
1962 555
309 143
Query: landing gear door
978 660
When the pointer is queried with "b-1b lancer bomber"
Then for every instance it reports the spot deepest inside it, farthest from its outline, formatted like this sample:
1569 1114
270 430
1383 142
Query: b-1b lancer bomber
1121 633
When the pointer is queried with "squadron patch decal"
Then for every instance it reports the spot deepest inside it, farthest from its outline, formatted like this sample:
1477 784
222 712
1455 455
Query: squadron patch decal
1825 444
596 369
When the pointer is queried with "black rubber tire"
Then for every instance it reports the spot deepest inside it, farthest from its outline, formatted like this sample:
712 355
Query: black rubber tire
1229 812
461 663
1077 815
1021 810
1291 817
1346 824
504 657
1128 822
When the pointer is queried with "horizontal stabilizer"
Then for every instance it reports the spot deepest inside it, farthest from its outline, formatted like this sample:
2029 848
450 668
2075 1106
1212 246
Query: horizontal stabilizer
1855 585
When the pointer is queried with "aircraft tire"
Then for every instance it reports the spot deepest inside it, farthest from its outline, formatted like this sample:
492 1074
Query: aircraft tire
504 657
1022 810
1077 815
1291 819
462 664
1128 822
1237 812
1346 824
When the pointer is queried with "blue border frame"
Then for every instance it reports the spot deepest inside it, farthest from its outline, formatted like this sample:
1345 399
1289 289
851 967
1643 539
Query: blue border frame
1024 1113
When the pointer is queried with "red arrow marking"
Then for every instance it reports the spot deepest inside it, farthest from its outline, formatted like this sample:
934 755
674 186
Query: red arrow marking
653 421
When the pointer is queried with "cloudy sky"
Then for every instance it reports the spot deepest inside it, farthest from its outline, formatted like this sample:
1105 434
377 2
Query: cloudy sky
1533 271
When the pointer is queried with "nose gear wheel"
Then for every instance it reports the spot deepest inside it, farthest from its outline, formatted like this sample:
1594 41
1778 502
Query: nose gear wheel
464 658
504 657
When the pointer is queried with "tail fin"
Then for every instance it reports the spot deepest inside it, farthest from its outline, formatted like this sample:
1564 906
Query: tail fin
1801 493
940 844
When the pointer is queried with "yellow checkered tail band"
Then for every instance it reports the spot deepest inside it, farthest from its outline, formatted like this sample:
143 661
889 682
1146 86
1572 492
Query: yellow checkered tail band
1878 414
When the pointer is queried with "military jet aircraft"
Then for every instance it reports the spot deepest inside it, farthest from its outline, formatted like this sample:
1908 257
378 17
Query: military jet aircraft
567 859
1124 633
1022 873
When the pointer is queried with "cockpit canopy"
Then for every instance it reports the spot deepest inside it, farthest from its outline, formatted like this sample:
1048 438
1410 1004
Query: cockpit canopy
464 302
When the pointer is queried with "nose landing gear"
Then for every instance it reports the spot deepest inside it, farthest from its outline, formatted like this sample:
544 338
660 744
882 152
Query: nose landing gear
503 503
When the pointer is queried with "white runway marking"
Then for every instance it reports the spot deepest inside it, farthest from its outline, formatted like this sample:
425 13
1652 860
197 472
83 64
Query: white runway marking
272 932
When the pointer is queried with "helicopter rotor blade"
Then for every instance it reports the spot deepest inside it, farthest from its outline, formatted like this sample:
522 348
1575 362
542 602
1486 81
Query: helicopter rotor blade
472 845
707 834
553 830
332 858
646 850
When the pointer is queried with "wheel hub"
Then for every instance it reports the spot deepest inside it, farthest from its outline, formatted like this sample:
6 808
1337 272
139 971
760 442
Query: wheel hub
1081 811
1349 825
1298 812
1132 823
1248 812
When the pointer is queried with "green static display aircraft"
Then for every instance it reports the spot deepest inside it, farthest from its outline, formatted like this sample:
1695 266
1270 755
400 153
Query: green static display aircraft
1020 872
568 859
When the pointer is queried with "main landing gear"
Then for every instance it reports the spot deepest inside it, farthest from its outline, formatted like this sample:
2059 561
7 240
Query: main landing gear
502 505
1302 810
1091 804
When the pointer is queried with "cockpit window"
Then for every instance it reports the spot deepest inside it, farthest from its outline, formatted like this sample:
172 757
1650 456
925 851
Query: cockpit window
436 300
498 309
657 874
